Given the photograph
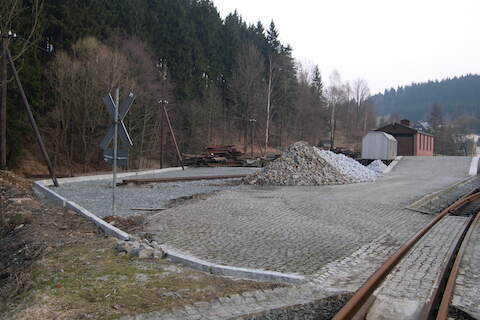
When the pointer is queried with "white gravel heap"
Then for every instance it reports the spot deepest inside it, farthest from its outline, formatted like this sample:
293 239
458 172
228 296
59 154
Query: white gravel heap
304 165
377 166
348 166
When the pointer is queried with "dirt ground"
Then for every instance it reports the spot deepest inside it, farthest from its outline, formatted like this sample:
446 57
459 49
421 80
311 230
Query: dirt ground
56 265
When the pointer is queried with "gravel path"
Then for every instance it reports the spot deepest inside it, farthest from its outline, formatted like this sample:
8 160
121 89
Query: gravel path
96 196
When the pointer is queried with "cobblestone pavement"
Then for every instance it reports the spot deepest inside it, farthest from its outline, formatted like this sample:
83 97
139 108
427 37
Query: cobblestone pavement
466 296
242 305
435 203
409 286
335 234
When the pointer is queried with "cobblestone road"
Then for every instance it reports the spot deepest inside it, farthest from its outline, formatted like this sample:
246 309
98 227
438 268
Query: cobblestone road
335 234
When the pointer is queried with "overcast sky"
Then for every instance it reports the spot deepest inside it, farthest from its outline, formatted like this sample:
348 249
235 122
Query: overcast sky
388 43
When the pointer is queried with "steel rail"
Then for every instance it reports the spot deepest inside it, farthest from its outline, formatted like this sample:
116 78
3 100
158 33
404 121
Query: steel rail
430 308
366 290
178 179
442 313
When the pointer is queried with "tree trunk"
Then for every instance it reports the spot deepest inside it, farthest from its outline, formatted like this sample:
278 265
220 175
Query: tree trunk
3 106
365 121
252 128
333 122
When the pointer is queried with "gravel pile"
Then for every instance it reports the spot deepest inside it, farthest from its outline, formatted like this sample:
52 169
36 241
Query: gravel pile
377 166
348 166
304 165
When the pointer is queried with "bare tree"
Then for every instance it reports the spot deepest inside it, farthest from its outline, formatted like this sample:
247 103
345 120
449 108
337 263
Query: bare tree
335 96
84 74
247 88
10 11
361 93
80 78
271 70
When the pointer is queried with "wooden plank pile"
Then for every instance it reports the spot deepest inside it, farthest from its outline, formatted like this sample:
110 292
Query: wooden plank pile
215 156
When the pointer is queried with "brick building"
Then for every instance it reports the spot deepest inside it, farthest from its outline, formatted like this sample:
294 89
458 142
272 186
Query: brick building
411 142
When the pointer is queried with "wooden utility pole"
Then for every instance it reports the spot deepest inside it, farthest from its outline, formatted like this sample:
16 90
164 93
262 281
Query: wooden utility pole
269 96
3 102
162 144
179 154
33 123
163 66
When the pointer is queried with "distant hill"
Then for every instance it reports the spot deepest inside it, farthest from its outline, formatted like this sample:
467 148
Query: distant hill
456 96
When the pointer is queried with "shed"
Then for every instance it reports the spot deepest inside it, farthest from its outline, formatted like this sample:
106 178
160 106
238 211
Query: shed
411 142
379 145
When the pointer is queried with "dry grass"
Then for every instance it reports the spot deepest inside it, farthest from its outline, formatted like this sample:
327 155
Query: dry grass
56 265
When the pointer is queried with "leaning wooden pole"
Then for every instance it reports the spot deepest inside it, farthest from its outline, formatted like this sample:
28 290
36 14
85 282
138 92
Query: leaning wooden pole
173 137
32 119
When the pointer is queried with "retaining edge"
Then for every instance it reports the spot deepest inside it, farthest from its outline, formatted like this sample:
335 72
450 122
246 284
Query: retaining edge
48 182
45 193
223 270
392 164
473 167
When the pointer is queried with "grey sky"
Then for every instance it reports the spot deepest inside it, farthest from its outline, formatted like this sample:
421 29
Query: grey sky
388 43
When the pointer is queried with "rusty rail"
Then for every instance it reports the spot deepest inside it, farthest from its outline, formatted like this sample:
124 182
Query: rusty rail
180 179
362 295
447 294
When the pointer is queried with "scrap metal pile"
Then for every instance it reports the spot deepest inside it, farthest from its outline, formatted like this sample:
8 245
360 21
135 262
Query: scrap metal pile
304 165
215 156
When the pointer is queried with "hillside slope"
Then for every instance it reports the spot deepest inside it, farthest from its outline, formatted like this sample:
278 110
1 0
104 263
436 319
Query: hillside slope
456 96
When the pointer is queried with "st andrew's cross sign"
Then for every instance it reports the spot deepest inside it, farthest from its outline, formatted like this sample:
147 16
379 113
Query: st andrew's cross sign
122 158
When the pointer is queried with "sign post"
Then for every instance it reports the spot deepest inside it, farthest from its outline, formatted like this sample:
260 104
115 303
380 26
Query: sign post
117 112
115 153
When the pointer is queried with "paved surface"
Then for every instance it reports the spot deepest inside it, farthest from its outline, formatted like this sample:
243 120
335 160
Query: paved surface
95 196
435 203
466 296
407 289
335 234
256 305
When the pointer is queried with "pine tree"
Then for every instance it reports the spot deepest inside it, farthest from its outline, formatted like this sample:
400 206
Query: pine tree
317 84
436 118
272 39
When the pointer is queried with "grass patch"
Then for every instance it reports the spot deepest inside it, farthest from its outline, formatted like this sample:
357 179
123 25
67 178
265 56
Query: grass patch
93 283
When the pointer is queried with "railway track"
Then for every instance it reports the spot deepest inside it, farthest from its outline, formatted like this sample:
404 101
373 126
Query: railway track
437 305
179 179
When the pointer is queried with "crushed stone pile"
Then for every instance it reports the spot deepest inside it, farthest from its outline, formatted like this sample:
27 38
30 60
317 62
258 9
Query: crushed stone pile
304 165
377 166
348 166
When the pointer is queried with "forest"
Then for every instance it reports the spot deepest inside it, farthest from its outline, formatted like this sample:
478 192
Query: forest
458 96
224 81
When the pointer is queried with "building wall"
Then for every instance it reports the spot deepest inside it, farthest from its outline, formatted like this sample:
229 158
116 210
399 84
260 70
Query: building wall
379 145
405 145
423 145
411 142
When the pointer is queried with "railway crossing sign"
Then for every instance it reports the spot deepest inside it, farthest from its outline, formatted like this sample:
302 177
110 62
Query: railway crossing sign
117 111
122 156
122 112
